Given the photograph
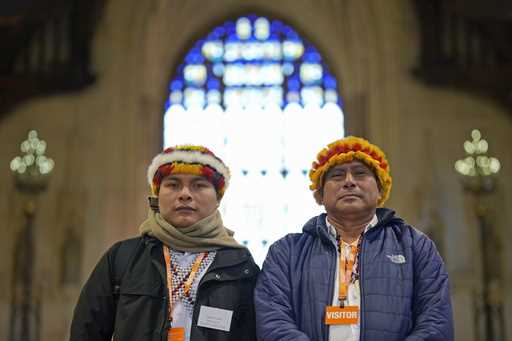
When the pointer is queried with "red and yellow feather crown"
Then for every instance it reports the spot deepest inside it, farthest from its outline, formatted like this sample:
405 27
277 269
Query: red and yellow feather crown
188 159
348 149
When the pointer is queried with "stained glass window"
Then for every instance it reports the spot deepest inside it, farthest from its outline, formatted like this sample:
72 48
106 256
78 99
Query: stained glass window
261 97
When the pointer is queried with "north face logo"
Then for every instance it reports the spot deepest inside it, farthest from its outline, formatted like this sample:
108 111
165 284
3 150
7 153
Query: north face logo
397 259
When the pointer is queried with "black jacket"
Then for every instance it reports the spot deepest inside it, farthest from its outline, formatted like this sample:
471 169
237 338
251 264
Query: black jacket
141 312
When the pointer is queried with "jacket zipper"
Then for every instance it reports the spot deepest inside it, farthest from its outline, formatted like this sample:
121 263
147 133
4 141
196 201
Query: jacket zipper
331 291
165 331
195 310
165 321
361 290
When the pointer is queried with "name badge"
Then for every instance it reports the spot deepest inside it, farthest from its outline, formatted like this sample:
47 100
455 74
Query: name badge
176 334
341 315
215 318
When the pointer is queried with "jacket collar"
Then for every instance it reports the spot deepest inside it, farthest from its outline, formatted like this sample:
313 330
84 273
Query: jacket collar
388 218
316 226
230 257
226 258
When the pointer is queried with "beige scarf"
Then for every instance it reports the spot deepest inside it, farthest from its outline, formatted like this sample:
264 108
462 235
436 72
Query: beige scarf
207 234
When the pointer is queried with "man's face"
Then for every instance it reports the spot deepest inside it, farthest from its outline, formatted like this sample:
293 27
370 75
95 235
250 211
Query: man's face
184 199
350 188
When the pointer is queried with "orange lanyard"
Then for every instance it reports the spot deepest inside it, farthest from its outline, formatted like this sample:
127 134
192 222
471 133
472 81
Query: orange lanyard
193 272
346 266
190 280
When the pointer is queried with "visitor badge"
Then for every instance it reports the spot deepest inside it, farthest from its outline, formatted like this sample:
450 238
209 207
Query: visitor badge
215 318
341 315
176 334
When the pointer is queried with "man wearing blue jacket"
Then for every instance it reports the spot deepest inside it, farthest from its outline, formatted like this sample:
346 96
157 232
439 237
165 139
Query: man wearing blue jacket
356 272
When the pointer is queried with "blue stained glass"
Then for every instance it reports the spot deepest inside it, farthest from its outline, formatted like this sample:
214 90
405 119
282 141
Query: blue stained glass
254 52
261 28
232 52
312 95
273 37
276 25
284 172
312 57
244 28
213 50
218 69
288 69
311 73
293 97
330 82
214 97
213 36
194 57
195 74
176 97
331 96
291 34
271 50
232 38
176 84
213 84
230 28
311 49
256 79
292 49
198 44
219 31
293 84
194 98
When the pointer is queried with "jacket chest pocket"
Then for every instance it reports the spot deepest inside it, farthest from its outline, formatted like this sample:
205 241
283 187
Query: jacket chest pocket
224 295
234 296
140 310
391 264
388 281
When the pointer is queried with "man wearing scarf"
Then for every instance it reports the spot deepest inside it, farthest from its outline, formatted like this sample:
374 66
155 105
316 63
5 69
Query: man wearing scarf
185 277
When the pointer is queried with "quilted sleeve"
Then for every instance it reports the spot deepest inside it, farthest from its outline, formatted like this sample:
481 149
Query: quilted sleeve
432 309
272 298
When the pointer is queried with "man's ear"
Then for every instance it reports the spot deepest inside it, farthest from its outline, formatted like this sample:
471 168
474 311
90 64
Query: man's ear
318 197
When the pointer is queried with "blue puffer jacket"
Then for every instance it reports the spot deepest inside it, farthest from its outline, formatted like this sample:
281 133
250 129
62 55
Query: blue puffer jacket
402 297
